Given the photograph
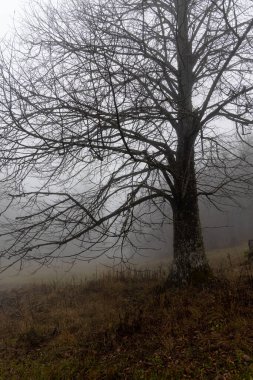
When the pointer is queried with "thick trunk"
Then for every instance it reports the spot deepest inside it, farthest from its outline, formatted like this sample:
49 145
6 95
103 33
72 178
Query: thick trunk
189 264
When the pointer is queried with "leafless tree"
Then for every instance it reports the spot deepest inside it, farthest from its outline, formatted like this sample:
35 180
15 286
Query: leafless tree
114 104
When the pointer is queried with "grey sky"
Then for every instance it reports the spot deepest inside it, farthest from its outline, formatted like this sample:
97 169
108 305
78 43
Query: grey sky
8 8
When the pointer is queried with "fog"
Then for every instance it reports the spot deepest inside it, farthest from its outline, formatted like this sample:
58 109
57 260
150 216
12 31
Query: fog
228 227
225 228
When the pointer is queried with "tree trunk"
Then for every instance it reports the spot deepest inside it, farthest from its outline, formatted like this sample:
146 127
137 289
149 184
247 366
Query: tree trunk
190 264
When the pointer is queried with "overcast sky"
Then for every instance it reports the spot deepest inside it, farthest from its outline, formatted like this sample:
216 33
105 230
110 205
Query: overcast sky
7 12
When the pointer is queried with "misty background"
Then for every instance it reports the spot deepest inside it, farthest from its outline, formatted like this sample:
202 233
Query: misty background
225 226
222 229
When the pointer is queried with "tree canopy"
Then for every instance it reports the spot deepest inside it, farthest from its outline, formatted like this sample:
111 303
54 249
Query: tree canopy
107 106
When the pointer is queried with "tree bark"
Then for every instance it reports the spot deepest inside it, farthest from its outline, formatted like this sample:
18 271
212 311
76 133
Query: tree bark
190 265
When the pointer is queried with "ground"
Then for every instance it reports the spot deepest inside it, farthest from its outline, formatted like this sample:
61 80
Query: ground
125 325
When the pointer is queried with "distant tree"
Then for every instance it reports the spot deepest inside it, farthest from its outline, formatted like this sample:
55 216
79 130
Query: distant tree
115 104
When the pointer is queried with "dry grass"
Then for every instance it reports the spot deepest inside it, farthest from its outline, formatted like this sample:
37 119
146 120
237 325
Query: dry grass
124 325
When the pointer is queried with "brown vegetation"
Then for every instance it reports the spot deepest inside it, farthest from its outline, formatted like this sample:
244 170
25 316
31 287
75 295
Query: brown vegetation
124 325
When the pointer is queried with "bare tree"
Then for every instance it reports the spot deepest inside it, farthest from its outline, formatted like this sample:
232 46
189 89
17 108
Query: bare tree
115 104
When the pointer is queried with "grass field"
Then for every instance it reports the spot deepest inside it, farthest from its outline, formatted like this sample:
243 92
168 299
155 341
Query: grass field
124 325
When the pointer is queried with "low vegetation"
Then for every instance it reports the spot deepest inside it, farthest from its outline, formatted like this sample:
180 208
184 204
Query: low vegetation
125 325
